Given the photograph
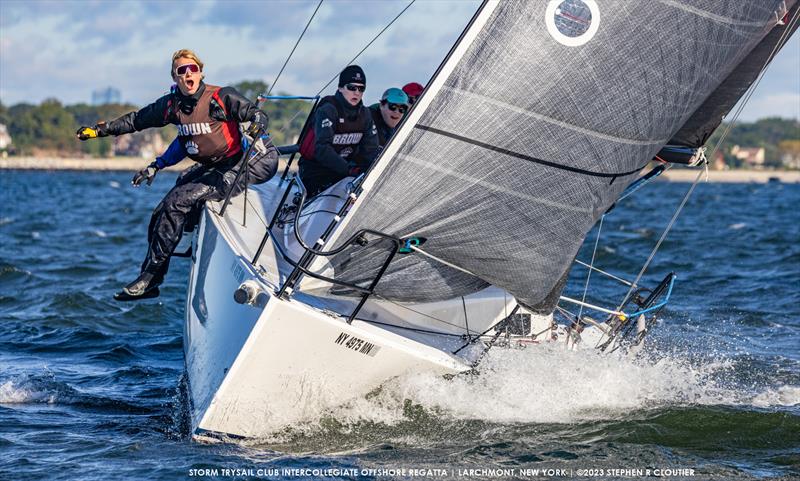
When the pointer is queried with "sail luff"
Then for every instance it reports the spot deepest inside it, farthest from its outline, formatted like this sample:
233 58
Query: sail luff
435 84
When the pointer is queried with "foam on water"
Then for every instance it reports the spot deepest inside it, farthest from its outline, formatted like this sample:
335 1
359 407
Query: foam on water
14 392
548 384
782 396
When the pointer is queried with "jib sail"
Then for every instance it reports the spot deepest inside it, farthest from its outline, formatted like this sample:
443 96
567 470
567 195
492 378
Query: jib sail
538 119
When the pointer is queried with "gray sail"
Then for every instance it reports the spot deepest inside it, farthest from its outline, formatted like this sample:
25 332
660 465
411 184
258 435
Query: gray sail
708 117
537 121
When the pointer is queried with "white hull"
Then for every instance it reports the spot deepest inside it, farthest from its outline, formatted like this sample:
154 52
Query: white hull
253 369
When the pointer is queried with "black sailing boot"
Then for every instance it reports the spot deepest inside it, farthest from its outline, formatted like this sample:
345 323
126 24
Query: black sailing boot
144 287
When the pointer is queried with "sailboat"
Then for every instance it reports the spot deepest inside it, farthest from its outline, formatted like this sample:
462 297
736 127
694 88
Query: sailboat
462 234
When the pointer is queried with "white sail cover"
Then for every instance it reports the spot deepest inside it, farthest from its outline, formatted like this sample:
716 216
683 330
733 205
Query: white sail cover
540 117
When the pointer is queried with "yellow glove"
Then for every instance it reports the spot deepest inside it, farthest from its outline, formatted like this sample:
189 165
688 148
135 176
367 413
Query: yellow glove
86 133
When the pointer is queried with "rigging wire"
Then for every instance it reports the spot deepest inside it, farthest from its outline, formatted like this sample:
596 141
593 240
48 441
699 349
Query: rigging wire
289 122
728 127
601 271
294 48
591 266
412 329
368 45
418 312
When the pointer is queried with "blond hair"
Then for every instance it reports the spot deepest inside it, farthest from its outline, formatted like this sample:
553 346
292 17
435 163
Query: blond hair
185 53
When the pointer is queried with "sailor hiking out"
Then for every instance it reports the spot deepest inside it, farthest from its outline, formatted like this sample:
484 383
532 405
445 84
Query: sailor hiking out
208 119
343 140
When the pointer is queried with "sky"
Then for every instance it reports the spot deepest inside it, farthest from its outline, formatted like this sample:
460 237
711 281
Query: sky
66 49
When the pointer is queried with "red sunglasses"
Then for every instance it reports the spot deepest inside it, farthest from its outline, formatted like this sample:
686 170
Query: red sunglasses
194 68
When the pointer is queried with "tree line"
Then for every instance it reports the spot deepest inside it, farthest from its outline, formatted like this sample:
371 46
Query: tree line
776 135
49 128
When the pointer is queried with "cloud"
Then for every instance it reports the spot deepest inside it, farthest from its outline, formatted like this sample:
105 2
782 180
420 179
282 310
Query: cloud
67 49
785 105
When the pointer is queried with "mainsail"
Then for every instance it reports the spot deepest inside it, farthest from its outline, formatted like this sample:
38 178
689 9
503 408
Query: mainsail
538 119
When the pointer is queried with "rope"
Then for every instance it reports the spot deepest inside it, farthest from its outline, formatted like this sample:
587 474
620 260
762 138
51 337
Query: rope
591 266
728 128
295 47
415 248
368 45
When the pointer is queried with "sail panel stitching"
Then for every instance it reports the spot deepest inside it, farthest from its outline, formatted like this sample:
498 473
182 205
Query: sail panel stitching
491 186
550 120
711 16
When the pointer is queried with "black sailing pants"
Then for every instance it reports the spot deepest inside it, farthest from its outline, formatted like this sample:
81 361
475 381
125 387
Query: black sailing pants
180 209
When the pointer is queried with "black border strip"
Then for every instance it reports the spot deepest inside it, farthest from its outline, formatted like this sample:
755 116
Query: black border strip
523 156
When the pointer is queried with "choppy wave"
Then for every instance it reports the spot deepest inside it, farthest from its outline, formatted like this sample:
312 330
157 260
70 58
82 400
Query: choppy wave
46 389
721 389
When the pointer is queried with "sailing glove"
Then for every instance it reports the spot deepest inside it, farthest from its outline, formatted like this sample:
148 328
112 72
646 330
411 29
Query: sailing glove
86 133
255 130
353 169
258 125
146 174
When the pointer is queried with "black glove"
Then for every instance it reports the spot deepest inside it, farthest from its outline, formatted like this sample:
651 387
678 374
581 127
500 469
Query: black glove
148 174
86 133
353 170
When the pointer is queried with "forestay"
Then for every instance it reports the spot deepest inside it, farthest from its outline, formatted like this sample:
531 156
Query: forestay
535 123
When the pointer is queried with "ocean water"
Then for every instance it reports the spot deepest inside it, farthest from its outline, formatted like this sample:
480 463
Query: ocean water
89 388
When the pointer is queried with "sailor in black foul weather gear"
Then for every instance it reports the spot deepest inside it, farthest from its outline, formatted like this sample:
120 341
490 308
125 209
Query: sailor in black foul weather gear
388 113
343 141
208 119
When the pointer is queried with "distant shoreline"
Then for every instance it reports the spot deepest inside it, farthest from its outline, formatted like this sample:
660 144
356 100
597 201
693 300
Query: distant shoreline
126 164
733 176
132 164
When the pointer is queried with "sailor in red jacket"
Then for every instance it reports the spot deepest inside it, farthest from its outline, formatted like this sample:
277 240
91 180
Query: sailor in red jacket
208 119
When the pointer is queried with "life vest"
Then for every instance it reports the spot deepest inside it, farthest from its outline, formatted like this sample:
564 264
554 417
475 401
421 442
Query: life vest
205 134
347 132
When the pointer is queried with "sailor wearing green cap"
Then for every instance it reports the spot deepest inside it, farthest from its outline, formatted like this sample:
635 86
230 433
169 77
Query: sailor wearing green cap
388 113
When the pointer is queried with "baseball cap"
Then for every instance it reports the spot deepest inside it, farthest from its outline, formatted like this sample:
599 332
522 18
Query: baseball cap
413 89
395 96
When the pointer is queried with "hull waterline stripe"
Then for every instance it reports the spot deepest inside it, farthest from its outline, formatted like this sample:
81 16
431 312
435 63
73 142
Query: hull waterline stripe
528 158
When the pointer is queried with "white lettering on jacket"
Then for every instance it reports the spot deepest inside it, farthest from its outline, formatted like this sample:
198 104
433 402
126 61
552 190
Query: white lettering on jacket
194 129
347 139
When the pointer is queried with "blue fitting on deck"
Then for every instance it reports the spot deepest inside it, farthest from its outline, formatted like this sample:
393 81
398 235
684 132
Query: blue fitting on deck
659 305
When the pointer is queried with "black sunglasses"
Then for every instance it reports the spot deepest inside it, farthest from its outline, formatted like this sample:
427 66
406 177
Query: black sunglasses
397 107
355 88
